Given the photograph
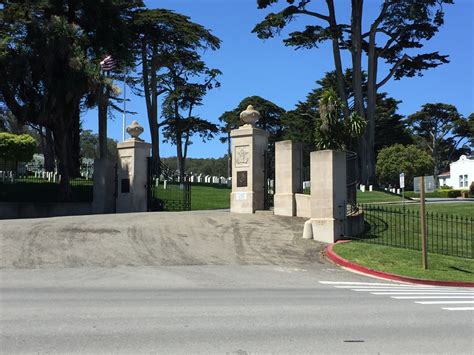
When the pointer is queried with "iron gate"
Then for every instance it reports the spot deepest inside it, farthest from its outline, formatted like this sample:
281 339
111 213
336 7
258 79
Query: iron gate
269 178
351 182
166 191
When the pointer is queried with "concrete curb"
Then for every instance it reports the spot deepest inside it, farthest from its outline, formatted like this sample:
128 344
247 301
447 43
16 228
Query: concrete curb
365 270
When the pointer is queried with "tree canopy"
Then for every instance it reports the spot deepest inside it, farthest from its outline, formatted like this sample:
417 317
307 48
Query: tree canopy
395 37
433 125
16 147
163 38
49 63
270 116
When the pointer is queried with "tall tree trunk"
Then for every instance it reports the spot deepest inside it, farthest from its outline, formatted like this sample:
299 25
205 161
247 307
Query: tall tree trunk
74 145
435 161
103 104
369 135
372 87
61 148
180 156
337 57
356 52
48 150
149 69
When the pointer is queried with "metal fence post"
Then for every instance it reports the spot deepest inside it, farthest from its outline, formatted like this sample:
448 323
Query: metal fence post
423 223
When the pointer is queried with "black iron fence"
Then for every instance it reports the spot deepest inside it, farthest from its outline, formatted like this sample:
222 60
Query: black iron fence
399 227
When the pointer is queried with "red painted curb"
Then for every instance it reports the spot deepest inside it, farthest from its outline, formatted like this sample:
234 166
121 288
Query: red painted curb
365 270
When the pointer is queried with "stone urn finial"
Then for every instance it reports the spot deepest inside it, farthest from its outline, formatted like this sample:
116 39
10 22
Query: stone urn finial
250 116
135 130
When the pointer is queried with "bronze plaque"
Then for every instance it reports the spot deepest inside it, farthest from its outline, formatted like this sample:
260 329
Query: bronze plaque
125 186
241 179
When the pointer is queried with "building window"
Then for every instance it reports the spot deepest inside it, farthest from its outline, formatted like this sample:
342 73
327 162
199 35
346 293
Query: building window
465 180
460 181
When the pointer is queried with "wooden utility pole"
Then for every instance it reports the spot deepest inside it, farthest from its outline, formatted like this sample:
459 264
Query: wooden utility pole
423 223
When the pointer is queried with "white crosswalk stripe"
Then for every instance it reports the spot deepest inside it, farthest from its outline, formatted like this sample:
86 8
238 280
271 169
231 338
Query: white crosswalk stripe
441 296
445 302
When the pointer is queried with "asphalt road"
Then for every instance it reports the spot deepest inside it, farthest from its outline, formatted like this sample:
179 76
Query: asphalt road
268 293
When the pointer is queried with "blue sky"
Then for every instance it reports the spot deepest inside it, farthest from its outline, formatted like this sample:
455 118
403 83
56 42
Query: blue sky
284 76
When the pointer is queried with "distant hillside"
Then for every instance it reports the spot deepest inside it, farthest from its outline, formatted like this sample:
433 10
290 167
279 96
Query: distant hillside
207 166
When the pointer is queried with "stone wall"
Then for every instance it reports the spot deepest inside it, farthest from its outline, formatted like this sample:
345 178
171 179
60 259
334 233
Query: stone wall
303 205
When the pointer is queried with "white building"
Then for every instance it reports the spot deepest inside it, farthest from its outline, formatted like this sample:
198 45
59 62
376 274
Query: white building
460 175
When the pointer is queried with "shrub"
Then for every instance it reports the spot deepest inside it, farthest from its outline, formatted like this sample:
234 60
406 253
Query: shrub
398 158
16 147
438 193
471 189
454 193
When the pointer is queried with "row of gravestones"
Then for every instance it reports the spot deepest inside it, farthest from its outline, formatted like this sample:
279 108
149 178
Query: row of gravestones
199 179
7 176
10 176
208 179
393 190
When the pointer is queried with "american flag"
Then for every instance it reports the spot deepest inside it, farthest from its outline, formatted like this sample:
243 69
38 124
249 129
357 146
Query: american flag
108 63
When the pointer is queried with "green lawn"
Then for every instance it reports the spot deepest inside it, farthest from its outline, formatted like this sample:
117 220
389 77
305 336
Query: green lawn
407 262
376 196
209 197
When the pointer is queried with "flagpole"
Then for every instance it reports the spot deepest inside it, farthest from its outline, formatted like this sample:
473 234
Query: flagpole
124 106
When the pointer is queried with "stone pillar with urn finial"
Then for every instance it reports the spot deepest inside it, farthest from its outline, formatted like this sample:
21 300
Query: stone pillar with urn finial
132 171
248 164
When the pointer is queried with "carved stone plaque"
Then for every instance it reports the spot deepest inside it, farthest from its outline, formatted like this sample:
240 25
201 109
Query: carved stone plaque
241 179
242 156
240 196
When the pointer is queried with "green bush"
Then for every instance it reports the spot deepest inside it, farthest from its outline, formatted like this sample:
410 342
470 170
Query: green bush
471 189
16 147
443 193
409 159
454 193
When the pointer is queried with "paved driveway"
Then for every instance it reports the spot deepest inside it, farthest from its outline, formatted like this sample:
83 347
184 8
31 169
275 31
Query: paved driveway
154 239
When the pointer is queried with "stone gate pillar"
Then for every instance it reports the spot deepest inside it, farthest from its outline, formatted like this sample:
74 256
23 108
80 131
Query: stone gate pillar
288 176
132 172
328 195
248 165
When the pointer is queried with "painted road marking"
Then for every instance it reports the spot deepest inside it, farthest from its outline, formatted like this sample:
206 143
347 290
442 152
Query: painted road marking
445 302
421 297
421 293
391 286
404 291
396 289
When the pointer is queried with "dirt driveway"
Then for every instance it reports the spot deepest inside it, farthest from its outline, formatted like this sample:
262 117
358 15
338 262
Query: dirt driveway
153 239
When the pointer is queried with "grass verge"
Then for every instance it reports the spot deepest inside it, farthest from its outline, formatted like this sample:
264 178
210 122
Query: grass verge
406 262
